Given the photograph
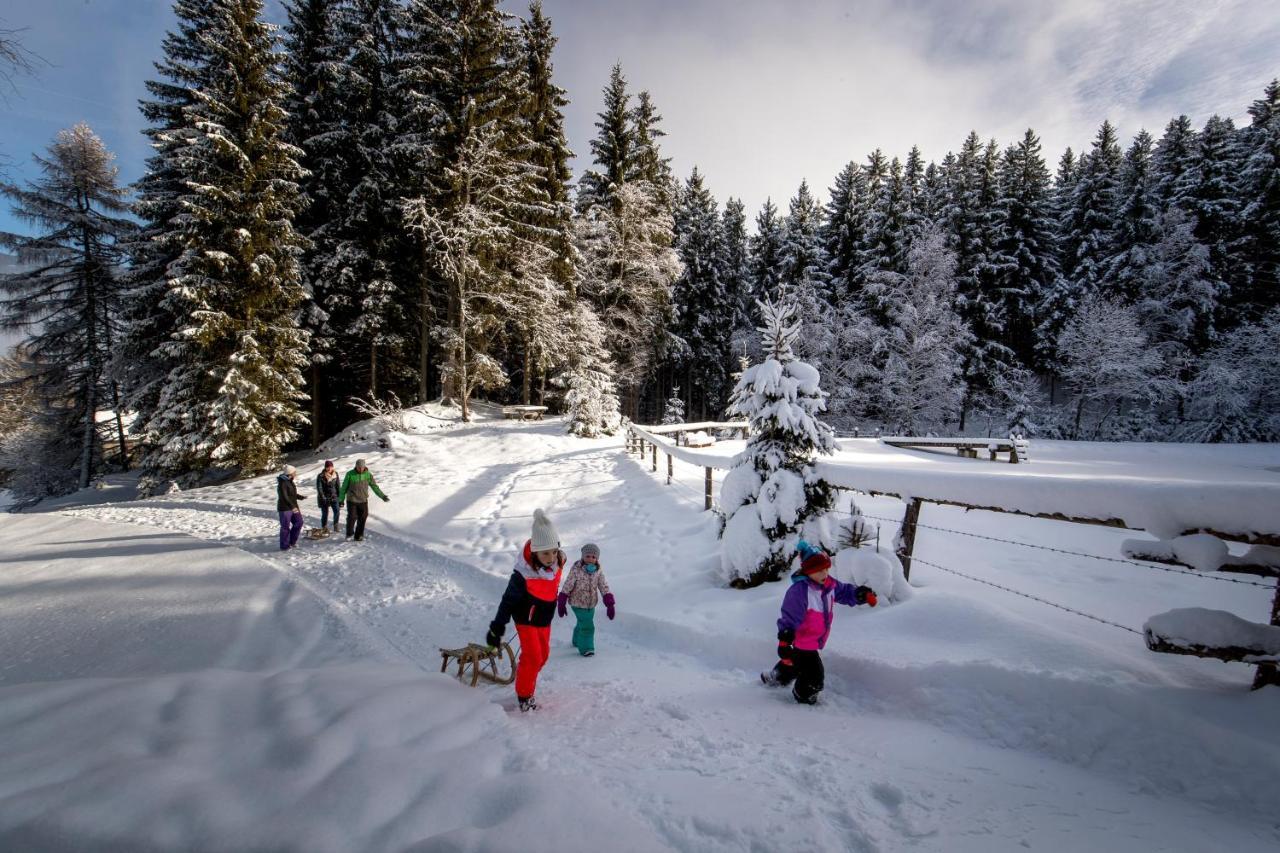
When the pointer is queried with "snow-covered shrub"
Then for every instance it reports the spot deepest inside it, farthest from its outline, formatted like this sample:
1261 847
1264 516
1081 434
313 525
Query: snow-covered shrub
591 397
1235 395
674 413
41 460
773 496
389 414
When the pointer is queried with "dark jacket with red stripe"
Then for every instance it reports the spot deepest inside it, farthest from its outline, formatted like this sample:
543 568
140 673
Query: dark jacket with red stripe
530 598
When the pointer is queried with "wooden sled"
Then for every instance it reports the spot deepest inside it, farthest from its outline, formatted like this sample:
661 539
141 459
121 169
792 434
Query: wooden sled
484 663
318 533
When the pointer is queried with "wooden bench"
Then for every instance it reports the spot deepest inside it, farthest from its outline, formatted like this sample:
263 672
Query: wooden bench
1019 449
524 413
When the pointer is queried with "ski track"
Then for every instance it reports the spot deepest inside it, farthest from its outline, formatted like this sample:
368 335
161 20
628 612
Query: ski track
418 599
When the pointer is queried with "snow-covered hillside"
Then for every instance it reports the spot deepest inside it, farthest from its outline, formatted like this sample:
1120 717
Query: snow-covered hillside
171 681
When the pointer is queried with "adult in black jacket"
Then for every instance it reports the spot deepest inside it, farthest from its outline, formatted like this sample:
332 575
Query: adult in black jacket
287 506
327 486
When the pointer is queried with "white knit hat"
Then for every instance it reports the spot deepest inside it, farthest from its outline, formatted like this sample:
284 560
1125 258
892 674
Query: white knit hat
544 536
289 470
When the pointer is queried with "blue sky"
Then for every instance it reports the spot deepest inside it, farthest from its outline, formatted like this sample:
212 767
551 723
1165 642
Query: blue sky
761 94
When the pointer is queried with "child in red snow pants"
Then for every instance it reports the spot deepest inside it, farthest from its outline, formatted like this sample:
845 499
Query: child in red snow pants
535 648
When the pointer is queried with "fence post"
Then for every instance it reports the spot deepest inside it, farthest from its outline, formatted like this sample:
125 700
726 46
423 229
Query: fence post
669 472
907 536
708 506
1269 673
655 457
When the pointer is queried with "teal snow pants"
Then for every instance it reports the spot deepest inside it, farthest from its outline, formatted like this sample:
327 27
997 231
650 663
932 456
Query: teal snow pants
584 632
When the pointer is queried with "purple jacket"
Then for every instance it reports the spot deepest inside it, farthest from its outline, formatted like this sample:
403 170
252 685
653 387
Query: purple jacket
807 609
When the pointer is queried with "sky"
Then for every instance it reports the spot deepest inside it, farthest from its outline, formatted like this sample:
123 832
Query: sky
760 95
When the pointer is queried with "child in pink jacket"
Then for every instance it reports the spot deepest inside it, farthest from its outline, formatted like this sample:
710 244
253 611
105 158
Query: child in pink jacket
805 623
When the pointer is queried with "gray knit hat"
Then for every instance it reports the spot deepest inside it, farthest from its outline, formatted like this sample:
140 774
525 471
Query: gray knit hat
591 551
544 536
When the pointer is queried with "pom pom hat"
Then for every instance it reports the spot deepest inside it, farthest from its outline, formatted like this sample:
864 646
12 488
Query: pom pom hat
811 559
544 537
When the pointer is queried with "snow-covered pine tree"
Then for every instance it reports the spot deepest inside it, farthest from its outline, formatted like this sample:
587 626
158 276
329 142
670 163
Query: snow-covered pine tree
1135 224
1028 243
803 276
922 351
1107 364
765 253
184 68
232 395
773 496
647 163
886 236
843 232
735 274
312 65
1059 302
1235 395
68 301
1213 198
625 271
612 149
674 413
1260 215
591 398
704 315
1173 159
1176 293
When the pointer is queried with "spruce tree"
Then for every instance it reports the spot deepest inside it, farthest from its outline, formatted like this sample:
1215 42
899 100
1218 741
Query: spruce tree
1028 243
703 313
1260 214
773 497
647 162
765 260
735 274
587 375
1174 159
1136 215
844 232
674 413
612 149
68 302
232 394
1212 196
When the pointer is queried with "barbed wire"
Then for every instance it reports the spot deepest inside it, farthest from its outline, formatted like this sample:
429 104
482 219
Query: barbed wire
1141 565
1028 595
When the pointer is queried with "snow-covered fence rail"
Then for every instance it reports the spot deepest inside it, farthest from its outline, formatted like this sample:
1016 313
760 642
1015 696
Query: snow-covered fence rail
654 437
1017 448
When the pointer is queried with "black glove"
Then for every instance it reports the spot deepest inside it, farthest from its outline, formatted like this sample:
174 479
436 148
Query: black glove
785 639
865 595
494 637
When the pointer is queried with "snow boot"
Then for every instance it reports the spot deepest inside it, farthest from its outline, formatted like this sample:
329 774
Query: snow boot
769 679
589 653
811 699
527 703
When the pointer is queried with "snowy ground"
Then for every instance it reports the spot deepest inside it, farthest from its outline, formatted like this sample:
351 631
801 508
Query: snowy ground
177 683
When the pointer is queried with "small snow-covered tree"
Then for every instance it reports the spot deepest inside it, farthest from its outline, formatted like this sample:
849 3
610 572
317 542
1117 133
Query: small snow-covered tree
591 396
923 348
674 413
773 496
1107 363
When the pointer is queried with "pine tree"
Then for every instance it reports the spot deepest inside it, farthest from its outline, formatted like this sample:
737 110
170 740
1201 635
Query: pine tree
887 233
368 281
674 413
1176 294
1174 159
187 64
647 163
69 301
231 396
703 313
612 149
1059 302
844 232
591 398
1213 197
923 350
1261 211
1028 243
1235 395
735 274
1136 215
313 66
766 248
801 262
470 88
773 497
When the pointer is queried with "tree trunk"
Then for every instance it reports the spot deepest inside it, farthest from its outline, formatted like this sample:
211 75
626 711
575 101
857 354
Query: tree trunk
464 381
424 327
1079 414
315 405
373 372
528 366
115 402
90 429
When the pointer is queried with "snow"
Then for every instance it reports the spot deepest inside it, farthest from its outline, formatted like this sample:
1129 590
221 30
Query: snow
171 681
1201 551
1198 626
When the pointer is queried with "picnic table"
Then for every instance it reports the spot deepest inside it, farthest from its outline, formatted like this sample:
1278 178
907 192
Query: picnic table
524 413
1019 449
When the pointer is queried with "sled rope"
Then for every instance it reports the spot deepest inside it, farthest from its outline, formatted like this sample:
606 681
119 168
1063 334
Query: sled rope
1030 596
1121 560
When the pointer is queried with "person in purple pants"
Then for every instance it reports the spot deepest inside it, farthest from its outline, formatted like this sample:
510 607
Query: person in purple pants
287 506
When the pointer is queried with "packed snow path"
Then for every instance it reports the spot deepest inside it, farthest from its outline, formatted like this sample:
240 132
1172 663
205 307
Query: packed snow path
957 721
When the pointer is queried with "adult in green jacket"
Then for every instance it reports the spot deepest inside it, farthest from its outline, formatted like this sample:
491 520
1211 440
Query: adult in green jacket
355 493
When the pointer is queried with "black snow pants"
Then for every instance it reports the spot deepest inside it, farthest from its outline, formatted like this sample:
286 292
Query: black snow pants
357 515
807 673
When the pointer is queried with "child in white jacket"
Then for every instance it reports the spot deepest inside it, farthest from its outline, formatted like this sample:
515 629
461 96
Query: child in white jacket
581 592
